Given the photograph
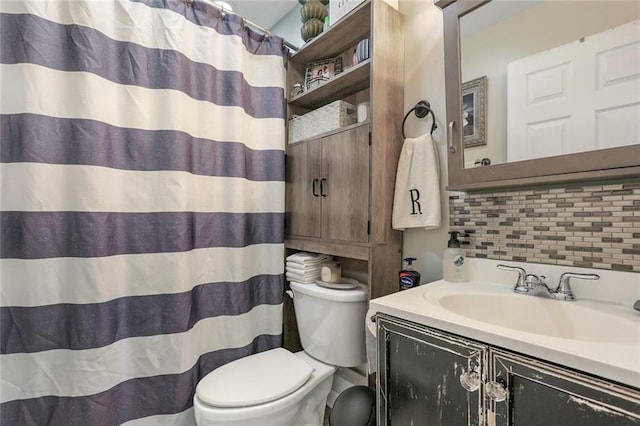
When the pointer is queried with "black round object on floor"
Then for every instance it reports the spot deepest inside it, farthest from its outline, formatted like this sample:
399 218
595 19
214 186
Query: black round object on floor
355 406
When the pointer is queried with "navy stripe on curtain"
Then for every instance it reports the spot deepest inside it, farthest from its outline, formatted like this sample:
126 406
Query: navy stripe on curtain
142 222
39 235
54 140
93 325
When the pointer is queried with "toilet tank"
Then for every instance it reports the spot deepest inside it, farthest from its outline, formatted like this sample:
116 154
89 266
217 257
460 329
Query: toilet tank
331 323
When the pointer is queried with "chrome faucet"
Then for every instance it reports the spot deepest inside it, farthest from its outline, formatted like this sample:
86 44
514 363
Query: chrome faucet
527 283
563 292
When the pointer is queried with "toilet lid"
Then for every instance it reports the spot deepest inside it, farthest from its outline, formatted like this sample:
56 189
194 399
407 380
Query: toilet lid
255 379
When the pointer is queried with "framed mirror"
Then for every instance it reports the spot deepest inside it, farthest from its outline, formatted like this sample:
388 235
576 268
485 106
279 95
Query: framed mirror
541 91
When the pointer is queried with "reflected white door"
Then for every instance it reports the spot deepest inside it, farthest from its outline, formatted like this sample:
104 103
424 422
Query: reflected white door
577 97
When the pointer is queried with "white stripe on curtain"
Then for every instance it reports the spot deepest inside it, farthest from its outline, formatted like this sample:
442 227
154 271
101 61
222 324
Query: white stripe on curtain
142 198
124 21
38 90
104 189
43 281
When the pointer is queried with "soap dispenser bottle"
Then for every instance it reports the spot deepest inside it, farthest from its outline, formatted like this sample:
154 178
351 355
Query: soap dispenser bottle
453 262
409 277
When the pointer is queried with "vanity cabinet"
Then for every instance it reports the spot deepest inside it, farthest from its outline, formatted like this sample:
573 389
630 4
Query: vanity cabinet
328 186
419 382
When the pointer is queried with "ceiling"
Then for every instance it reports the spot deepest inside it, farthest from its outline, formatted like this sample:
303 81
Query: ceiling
265 13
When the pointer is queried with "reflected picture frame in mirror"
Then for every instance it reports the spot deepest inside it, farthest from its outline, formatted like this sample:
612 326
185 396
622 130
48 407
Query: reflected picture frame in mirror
474 112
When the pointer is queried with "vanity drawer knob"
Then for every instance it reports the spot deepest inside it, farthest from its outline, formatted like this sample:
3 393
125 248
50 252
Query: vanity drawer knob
470 381
496 391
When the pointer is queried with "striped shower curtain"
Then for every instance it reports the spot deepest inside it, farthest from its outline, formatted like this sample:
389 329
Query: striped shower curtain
142 179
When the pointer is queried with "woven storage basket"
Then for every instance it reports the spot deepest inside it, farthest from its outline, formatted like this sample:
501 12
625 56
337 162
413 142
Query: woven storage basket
330 117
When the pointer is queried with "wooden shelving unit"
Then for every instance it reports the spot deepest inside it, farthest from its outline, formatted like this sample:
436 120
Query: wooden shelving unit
378 81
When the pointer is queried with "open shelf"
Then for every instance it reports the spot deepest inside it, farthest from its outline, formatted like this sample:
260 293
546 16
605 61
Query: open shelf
339 37
344 84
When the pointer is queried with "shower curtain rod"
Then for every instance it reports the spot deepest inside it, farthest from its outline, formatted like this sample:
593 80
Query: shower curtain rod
251 24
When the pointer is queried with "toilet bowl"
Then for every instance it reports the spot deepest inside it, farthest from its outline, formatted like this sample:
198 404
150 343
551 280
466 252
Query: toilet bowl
303 405
280 388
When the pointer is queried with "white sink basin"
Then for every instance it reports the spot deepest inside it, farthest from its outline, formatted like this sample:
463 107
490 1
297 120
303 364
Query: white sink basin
548 317
497 305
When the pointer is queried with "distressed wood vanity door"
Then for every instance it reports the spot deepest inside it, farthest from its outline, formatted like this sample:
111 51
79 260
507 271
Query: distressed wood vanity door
419 376
544 394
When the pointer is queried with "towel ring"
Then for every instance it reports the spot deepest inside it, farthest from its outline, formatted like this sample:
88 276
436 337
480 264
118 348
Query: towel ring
421 109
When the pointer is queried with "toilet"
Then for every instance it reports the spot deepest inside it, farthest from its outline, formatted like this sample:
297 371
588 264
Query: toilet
280 388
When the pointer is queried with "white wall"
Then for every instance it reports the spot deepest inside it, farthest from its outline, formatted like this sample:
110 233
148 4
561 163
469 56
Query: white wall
424 79
289 27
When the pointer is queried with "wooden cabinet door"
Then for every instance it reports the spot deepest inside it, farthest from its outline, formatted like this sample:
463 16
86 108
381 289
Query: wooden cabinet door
542 394
419 373
303 189
345 185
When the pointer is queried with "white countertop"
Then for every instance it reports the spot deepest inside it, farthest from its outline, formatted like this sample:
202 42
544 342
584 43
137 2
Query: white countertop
617 359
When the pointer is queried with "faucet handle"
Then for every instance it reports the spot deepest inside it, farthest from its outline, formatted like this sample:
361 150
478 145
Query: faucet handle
564 288
521 286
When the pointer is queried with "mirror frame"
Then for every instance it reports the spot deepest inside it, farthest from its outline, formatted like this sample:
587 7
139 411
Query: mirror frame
604 164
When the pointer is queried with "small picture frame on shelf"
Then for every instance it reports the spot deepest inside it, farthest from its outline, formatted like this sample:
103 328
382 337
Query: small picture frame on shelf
319 72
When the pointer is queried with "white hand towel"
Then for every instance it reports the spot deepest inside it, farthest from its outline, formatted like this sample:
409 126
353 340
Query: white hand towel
301 257
300 279
416 203
313 275
304 258
297 268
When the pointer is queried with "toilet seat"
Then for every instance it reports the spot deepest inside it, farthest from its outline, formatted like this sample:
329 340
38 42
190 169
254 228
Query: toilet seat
253 380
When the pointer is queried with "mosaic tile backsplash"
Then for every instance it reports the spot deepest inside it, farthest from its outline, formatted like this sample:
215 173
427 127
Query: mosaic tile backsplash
588 226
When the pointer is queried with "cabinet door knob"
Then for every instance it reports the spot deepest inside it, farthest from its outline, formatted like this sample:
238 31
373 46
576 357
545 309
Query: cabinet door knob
322 182
314 183
496 391
470 381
